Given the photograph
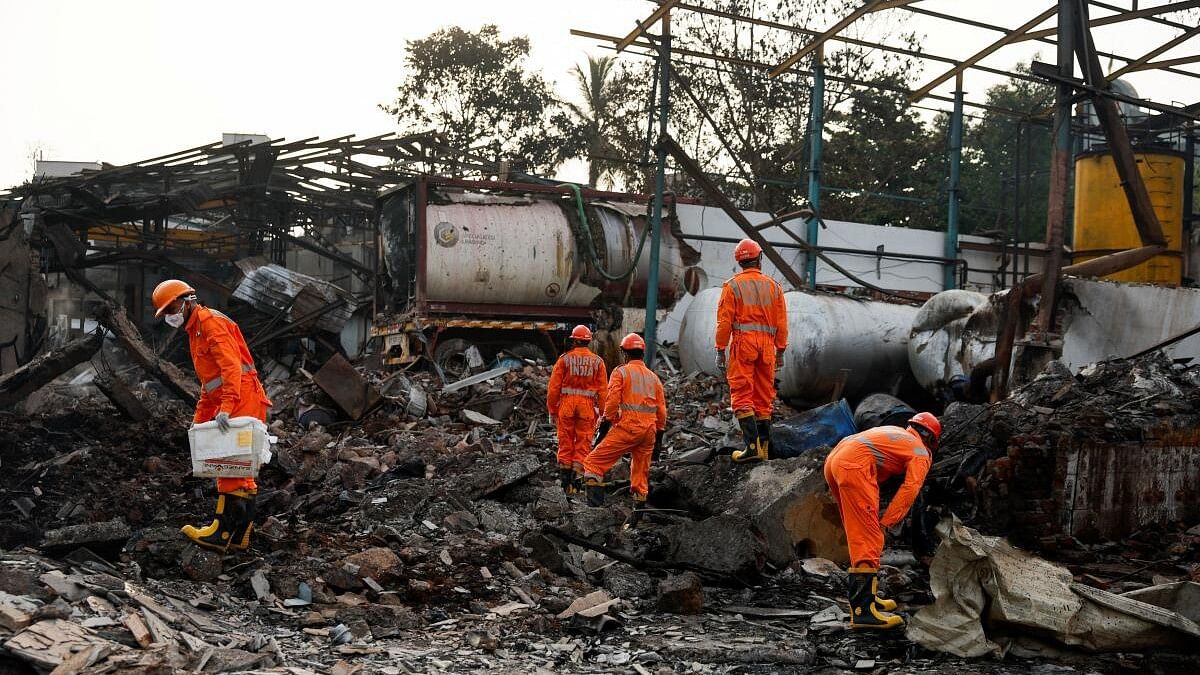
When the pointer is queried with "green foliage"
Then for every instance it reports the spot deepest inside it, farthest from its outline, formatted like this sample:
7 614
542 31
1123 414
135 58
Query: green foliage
475 88
608 123
890 164
997 190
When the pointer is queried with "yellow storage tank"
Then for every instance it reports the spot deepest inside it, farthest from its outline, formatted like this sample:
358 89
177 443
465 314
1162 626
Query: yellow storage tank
1104 223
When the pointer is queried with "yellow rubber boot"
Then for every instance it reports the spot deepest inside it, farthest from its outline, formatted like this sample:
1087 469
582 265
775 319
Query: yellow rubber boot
753 451
243 526
218 534
882 603
865 613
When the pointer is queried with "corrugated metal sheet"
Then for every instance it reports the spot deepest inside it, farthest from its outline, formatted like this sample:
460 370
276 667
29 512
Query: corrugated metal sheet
272 289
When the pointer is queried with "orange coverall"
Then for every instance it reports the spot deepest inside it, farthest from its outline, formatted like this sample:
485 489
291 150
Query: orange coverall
753 313
575 394
228 381
854 470
637 408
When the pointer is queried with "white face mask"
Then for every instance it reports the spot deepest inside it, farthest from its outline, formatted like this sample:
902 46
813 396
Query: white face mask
174 320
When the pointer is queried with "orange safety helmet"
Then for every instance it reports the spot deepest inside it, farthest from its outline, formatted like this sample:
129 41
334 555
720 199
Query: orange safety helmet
633 342
928 422
581 333
167 292
747 249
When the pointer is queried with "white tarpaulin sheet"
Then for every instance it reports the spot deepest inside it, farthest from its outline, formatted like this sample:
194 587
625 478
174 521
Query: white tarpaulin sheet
989 594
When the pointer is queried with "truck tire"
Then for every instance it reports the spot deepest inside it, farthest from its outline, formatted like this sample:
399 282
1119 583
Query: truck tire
451 357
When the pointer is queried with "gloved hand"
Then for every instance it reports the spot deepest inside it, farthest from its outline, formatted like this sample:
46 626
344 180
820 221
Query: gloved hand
779 358
894 530
601 432
222 420
721 360
658 446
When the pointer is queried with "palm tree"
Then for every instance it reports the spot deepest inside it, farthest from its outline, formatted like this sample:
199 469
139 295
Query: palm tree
604 92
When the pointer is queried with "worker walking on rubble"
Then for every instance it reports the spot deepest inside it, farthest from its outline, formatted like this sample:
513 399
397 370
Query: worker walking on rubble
229 387
854 470
574 400
752 322
635 416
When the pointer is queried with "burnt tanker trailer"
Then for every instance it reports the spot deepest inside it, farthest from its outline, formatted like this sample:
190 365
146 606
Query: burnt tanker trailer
479 270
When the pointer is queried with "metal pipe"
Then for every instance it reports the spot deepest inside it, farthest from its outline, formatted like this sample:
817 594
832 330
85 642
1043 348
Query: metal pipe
956 123
815 130
660 177
833 249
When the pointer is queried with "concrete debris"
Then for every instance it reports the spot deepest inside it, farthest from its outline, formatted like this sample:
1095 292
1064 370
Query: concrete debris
682 594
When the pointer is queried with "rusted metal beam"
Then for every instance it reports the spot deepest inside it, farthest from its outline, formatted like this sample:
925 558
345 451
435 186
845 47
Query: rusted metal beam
741 18
646 23
1167 63
691 168
866 8
1161 49
1144 13
1011 37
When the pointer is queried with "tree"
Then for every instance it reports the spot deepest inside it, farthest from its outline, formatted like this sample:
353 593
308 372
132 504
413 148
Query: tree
736 120
997 189
474 88
608 124
881 149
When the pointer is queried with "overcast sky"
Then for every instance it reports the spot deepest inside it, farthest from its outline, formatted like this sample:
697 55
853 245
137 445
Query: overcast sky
123 80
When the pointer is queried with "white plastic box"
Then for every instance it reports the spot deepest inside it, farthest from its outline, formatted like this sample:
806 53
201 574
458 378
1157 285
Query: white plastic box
237 453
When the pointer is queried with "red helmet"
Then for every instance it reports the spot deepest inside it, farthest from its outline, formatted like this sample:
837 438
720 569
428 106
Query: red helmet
747 249
581 333
167 292
633 342
928 422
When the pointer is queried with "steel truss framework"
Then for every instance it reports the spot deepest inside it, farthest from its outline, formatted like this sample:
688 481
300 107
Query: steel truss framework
1074 23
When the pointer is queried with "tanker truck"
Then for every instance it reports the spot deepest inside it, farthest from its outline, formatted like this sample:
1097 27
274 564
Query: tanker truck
480 271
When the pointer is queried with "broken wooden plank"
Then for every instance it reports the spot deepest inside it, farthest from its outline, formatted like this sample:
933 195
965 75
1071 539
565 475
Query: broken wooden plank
769 612
81 660
137 627
159 630
47 644
114 318
16 611
20 383
117 391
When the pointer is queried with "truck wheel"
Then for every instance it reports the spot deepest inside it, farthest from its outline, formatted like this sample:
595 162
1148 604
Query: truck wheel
452 357
527 350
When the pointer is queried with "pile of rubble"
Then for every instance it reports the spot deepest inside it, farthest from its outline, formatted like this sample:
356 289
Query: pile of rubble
439 542
1056 466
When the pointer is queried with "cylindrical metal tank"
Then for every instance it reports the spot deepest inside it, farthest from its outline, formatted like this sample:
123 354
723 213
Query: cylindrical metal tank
476 250
1104 222
953 332
827 333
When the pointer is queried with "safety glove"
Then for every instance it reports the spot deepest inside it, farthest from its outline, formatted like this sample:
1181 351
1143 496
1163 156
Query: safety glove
222 420
721 360
658 446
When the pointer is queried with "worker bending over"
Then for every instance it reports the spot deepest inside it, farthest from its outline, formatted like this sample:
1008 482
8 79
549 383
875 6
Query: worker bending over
636 410
229 387
574 400
854 470
752 322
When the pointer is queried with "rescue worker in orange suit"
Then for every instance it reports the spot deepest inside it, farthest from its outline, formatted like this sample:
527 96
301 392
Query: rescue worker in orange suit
574 400
752 323
229 388
635 416
854 470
